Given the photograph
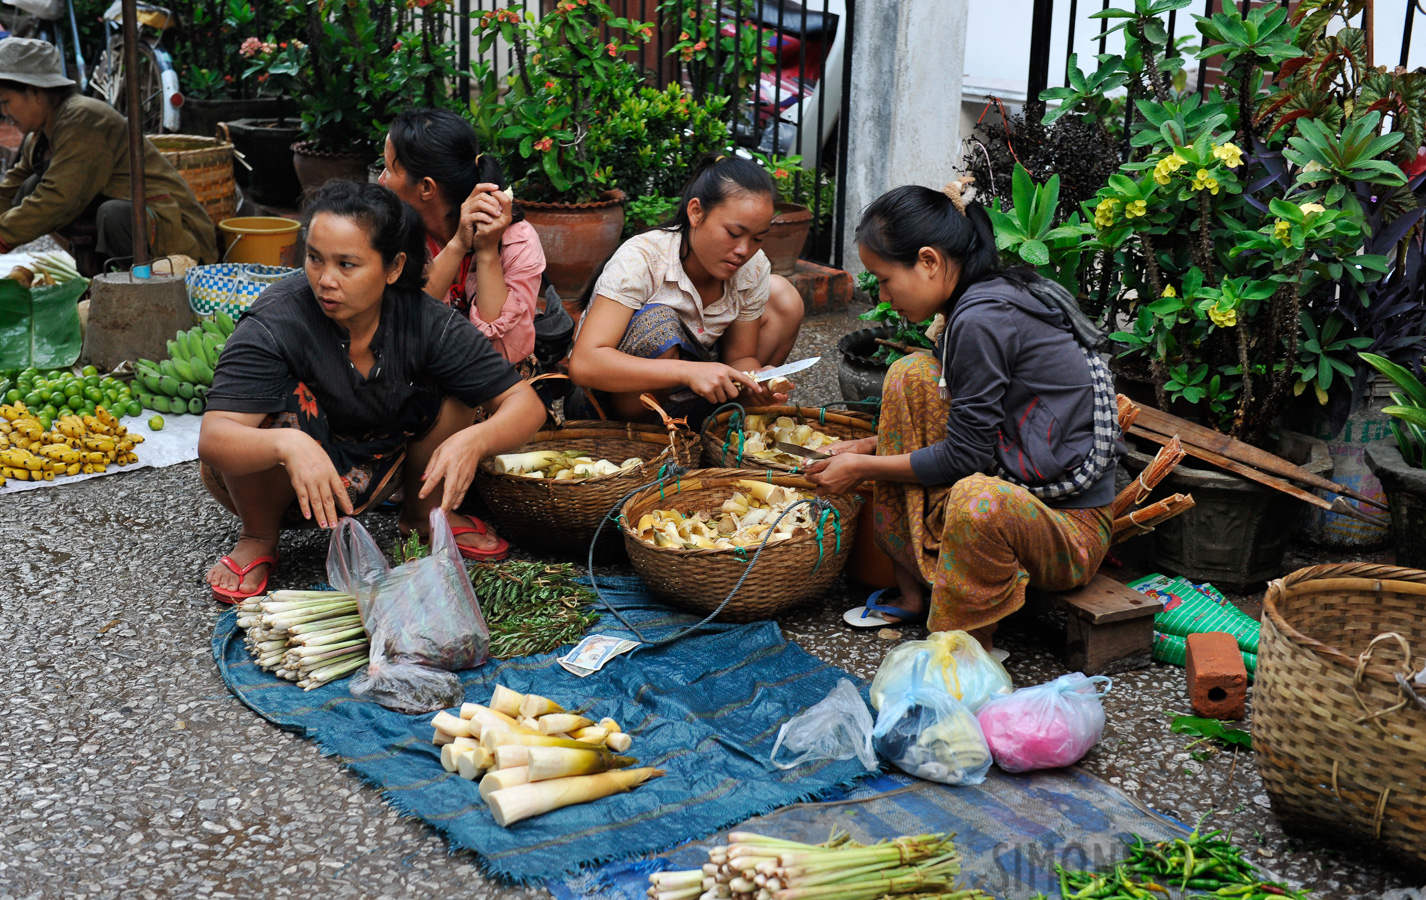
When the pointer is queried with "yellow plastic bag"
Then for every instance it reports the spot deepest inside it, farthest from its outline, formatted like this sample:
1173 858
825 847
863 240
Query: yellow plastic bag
958 665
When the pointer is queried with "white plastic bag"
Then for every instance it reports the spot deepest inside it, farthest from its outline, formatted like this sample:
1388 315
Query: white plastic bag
926 732
422 618
838 727
1047 726
958 664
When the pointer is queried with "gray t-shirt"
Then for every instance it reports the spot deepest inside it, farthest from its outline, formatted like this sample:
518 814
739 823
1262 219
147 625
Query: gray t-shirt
424 351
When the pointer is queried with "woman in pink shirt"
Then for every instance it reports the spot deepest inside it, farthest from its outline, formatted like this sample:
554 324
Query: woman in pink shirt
486 260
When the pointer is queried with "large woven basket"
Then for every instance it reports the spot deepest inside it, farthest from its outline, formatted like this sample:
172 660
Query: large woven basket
787 572
206 164
561 517
722 446
1338 730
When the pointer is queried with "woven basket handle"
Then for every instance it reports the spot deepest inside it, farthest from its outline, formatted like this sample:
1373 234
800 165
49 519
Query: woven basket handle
669 422
1409 696
588 394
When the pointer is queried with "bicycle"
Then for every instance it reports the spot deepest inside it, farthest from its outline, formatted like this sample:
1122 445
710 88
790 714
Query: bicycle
156 78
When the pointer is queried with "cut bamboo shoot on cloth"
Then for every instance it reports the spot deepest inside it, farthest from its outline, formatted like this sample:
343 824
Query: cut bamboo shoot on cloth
513 804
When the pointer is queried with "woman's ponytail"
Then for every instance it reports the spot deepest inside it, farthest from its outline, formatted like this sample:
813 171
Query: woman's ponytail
441 145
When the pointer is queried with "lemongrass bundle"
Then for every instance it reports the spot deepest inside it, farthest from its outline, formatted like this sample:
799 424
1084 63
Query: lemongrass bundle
1142 521
1169 456
310 637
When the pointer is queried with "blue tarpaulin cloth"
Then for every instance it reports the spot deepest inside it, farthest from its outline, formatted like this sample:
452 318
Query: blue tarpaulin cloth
706 708
1010 831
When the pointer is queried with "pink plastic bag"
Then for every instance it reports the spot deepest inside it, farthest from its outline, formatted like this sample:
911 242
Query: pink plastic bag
1047 726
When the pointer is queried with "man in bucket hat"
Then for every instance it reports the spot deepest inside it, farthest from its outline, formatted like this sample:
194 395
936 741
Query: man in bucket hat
72 177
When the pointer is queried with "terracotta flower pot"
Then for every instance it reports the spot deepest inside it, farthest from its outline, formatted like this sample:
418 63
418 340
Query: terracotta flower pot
784 243
577 238
317 167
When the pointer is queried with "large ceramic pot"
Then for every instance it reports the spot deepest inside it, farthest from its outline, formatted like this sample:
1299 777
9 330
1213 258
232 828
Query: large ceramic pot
784 242
202 116
1406 496
266 145
1238 530
577 239
317 167
859 376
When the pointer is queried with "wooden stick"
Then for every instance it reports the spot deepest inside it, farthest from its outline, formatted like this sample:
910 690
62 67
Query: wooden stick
1262 478
1144 520
1168 457
1128 412
1224 446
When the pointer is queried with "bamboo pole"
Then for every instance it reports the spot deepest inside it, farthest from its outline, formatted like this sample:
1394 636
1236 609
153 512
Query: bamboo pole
1142 521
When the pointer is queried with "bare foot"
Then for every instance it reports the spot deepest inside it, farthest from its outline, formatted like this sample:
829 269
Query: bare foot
244 552
470 539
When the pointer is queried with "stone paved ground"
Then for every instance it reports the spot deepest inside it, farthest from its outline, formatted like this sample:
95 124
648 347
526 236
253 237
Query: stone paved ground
126 769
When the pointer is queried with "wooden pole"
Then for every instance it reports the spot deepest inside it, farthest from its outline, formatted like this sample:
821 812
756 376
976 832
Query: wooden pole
130 10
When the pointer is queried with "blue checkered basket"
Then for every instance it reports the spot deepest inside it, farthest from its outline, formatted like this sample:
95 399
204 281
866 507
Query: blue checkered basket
229 287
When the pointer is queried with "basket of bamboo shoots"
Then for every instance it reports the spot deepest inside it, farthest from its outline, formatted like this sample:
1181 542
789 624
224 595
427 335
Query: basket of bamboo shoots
692 539
748 438
551 495
532 756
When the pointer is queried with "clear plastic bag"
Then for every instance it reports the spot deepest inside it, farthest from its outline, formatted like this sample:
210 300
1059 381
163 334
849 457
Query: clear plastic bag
1047 726
926 732
838 727
422 618
958 664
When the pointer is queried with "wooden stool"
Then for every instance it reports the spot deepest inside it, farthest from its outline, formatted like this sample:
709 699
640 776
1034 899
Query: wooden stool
1110 626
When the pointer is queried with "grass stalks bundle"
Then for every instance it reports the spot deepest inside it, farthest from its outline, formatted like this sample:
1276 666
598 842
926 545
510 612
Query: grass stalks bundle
530 607
513 804
310 637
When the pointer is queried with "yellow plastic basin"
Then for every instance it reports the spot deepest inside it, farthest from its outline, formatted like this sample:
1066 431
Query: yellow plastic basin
258 239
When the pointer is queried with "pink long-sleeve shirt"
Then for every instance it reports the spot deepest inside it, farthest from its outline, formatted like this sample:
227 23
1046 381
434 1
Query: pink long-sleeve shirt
522 261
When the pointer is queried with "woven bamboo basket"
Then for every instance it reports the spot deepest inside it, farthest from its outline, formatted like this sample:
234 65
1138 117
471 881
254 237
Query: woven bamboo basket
1339 730
561 517
206 165
722 448
787 573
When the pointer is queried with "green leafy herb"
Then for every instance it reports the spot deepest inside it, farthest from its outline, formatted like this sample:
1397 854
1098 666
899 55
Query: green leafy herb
532 607
1211 729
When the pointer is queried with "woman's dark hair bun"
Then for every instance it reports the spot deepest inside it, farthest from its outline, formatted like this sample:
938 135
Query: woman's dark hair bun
441 145
393 227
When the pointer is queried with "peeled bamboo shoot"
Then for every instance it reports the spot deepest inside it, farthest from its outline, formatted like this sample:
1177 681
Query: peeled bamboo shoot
534 706
562 723
470 763
512 755
502 779
609 725
619 742
506 701
560 762
510 805
590 735
454 726
494 740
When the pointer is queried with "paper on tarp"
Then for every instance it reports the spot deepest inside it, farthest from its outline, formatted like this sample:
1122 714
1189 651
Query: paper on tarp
1191 609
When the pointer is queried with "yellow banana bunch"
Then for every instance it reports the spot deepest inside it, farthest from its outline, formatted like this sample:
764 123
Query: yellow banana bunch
76 445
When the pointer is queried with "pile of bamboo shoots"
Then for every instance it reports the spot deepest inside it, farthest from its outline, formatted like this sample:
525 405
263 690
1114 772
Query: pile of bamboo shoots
756 867
310 637
742 521
761 434
532 757
559 465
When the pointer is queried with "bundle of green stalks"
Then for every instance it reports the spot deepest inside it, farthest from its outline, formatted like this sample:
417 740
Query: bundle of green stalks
310 637
755 867
532 607
532 757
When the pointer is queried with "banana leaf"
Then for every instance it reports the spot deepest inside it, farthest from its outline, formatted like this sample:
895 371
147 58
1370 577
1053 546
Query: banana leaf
40 326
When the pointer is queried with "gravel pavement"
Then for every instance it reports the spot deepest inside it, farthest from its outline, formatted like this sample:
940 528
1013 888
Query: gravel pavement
127 770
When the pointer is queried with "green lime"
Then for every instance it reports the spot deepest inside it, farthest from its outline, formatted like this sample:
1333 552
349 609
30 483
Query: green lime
89 407
73 390
93 395
52 411
91 381
56 373
46 422
33 400
89 370
75 403
44 394
134 408
13 396
156 423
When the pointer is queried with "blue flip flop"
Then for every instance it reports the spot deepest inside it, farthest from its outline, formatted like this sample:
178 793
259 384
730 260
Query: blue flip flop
871 614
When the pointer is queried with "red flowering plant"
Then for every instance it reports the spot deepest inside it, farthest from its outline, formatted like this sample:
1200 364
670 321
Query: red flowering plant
575 118
361 63
205 40
715 52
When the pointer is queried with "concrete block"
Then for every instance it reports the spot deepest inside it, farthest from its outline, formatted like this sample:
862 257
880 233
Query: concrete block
133 318
1217 680
823 289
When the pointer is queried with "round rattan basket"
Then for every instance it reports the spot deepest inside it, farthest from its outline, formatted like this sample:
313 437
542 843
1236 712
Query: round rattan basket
787 573
1339 729
722 445
206 165
561 517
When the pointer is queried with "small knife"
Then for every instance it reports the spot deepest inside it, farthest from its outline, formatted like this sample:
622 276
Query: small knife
682 395
799 450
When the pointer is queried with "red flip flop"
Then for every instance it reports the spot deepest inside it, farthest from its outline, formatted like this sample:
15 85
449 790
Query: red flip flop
498 552
235 597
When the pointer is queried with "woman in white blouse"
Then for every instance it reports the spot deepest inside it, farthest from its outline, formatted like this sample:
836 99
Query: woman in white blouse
687 310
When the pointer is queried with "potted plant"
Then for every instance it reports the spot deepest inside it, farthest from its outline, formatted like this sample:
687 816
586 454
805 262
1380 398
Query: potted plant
1399 463
863 362
579 131
206 54
1213 235
362 62
793 221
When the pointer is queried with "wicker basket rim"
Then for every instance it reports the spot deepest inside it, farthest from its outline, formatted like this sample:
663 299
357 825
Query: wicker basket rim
850 417
590 429
1320 579
713 478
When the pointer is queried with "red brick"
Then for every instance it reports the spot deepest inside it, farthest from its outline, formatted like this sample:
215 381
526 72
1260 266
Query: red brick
1217 680
823 289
